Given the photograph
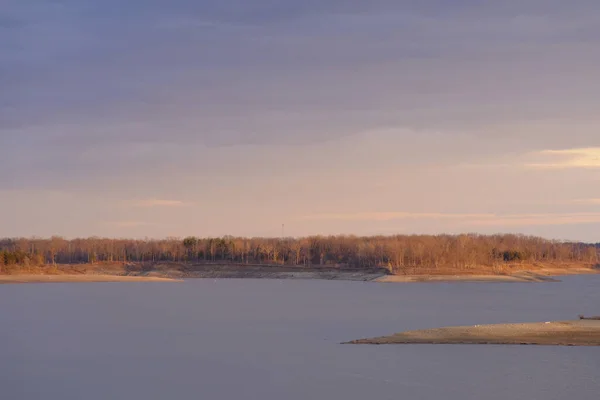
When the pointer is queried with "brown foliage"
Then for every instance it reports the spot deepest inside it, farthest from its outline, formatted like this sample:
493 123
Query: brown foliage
400 254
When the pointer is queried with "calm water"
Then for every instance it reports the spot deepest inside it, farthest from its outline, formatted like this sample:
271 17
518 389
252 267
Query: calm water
246 339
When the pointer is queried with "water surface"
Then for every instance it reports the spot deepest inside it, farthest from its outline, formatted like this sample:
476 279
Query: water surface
268 339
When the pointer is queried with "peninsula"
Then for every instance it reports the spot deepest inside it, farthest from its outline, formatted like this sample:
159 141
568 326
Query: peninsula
581 332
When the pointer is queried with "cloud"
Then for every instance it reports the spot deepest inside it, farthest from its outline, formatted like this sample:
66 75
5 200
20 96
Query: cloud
158 203
489 219
128 224
588 157
295 55
538 219
587 201
389 216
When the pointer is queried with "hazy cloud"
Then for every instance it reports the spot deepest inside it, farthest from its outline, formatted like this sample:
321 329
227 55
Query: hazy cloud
388 216
158 203
587 201
470 219
570 158
540 219
128 224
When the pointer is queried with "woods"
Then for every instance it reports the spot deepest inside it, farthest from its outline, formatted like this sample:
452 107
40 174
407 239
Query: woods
397 253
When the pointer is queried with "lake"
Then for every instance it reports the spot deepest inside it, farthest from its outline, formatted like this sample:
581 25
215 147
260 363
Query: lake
270 339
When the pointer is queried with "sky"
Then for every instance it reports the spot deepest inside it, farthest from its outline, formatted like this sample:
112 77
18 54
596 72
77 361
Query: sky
158 118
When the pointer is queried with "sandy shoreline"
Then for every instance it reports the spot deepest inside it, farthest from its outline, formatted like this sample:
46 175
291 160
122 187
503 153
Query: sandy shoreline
7 279
303 275
539 275
552 333
465 278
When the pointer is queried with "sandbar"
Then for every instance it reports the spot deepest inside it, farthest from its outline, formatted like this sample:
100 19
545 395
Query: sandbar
556 333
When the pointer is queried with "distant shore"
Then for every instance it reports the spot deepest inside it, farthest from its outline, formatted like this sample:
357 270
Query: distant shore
165 271
551 333
38 278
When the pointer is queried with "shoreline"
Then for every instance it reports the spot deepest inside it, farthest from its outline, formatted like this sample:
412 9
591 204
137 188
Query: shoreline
550 333
466 278
158 272
68 278
534 276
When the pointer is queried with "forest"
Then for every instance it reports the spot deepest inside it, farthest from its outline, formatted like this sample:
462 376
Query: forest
397 253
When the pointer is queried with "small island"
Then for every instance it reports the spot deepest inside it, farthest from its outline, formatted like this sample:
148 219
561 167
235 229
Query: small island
581 332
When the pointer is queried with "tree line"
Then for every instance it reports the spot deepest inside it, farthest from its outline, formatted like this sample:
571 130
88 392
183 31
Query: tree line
397 253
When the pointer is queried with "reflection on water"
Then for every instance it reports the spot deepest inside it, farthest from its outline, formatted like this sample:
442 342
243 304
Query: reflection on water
252 339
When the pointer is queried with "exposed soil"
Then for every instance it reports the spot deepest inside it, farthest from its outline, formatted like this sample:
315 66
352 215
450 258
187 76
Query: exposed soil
467 278
513 273
157 271
172 270
25 278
